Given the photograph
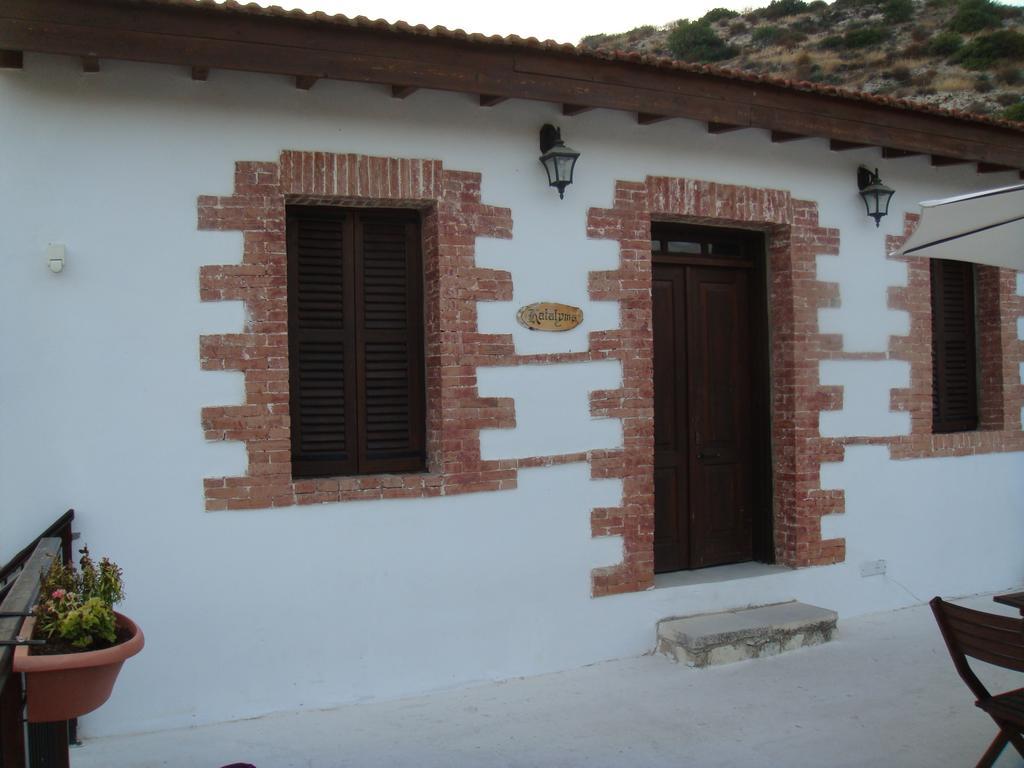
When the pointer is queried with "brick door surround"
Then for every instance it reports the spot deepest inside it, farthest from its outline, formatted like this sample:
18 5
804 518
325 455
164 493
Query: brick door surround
794 240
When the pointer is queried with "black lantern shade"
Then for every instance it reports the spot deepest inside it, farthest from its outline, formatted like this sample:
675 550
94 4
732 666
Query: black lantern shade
876 195
558 160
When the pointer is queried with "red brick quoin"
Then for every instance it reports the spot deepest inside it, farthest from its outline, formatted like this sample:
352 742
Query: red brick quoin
794 241
453 218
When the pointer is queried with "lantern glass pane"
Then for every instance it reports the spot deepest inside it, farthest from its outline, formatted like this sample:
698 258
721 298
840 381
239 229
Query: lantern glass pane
883 203
564 167
871 203
549 167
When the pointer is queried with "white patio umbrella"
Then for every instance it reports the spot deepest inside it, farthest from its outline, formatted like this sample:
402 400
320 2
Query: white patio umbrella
981 227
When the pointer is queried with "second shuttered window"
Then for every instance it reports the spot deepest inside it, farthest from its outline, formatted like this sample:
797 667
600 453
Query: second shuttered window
954 356
355 341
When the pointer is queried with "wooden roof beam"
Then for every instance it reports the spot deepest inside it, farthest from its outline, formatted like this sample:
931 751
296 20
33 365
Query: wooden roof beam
725 127
305 82
571 110
403 91
90 63
891 153
838 145
781 137
941 161
491 101
12 59
994 168
648 118
200 73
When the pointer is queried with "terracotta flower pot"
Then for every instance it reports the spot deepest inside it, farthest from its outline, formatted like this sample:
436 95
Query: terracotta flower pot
67 685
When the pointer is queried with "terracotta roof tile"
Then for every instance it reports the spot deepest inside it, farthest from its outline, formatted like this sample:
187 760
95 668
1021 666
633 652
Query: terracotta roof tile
655 62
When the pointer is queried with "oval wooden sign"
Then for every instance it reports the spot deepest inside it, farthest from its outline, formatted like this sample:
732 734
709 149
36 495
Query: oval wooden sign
546 316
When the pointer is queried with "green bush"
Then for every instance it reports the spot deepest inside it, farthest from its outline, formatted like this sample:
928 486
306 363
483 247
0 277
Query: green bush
974 16
846 5
865 36
638 33
779 9
696 41
592 41
769 35
765 36
808 25
898 11
718 14
945 44
992 49
856 38
901 74
1016 112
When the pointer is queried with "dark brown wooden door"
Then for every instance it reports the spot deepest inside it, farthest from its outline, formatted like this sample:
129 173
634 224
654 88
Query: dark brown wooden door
705 392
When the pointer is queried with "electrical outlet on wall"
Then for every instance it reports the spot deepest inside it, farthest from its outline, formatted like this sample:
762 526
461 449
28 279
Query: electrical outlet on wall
872 568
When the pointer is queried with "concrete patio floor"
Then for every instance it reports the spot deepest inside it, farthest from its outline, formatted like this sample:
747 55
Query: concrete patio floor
884 694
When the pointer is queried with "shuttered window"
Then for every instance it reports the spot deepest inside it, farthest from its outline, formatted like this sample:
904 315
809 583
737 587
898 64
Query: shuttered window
954 360
355 341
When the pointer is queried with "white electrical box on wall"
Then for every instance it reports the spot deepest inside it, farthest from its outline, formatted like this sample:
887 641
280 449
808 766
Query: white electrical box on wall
55 256
872 568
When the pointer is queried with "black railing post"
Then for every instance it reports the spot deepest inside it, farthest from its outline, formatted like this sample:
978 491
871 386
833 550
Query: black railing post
48 745
12 733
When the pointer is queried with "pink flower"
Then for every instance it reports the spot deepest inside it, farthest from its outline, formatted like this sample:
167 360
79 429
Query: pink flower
57 594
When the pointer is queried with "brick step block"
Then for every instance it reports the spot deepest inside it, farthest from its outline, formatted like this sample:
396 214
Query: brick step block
766 630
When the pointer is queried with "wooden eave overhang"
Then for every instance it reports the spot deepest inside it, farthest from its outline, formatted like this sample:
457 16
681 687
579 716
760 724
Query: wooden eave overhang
202 37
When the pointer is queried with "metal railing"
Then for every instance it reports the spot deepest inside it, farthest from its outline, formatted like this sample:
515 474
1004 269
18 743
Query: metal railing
19 587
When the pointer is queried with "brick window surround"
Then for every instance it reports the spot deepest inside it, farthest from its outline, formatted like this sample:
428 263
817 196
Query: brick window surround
999 351
453 217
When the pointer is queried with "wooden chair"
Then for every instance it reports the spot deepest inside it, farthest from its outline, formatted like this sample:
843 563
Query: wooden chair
997 640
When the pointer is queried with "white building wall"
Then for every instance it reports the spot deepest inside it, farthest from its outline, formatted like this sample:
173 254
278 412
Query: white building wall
306 607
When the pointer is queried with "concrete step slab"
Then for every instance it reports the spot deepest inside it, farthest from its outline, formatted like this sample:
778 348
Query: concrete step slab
766 630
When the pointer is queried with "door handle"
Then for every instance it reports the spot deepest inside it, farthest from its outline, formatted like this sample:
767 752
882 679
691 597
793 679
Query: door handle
708 455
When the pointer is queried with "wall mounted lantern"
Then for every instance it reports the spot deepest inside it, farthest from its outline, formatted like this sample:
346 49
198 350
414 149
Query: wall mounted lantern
558 160
876 195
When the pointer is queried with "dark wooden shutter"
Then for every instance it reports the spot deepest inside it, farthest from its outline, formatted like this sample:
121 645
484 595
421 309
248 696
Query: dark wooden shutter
389 317
954 363
321 343
355 341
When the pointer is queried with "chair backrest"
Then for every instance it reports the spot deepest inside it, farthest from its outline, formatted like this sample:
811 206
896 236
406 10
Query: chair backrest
988 637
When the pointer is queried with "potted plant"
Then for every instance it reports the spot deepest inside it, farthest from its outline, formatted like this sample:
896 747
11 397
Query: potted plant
85 641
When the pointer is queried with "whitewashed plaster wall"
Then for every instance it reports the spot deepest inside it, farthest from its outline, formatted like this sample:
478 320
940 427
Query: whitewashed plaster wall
250 612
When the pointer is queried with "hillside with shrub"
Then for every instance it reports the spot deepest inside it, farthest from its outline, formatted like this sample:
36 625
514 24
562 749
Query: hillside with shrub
959 54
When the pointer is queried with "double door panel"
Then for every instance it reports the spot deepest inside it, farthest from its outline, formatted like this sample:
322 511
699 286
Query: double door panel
704 435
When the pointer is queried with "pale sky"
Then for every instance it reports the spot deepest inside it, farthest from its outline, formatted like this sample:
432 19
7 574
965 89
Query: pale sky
565 21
